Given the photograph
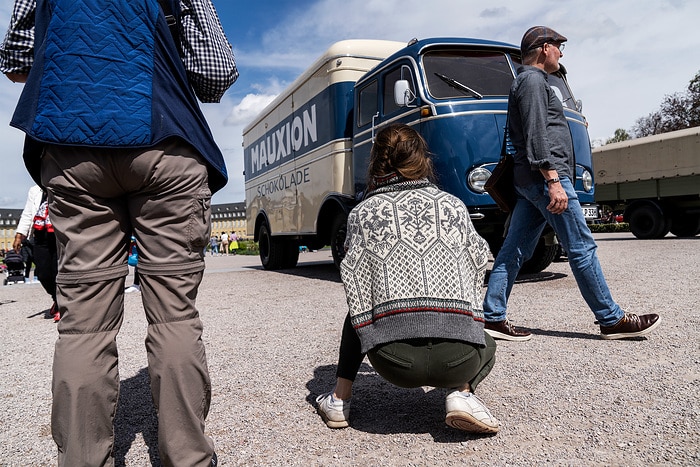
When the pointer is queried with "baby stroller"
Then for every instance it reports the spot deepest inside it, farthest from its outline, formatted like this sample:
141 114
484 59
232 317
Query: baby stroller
14 268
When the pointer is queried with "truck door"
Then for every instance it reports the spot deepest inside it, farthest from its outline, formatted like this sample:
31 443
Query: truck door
366 116
377 108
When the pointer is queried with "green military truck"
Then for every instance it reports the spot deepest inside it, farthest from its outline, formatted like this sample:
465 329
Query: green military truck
656 179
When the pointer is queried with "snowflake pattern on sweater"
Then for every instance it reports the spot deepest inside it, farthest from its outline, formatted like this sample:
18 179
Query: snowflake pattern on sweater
414 266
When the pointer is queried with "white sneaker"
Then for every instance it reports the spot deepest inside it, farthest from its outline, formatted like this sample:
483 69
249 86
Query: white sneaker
133 288
334 412
467 412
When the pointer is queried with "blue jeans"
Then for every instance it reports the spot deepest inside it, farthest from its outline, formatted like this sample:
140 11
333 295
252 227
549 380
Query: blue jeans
528 220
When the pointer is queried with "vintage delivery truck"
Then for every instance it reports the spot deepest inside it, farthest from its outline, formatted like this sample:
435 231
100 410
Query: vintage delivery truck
306 153
657 181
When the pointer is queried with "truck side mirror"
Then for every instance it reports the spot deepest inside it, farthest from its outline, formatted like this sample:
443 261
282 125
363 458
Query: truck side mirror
403 96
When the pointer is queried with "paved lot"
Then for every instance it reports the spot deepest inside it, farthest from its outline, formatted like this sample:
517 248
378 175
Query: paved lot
566 397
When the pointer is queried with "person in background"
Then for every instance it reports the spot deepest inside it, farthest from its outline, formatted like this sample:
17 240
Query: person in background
413 274
24 242
544 181
35 224
133 154
214 243
133 260
233 243
224 243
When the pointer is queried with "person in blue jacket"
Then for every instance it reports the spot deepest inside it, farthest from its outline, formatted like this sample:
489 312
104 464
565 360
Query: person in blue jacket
110 97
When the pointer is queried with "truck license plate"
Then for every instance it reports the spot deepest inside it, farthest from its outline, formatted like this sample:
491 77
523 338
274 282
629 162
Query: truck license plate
590 212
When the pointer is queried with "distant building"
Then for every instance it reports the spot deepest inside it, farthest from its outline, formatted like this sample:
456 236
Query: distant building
8 227
228 218
224 218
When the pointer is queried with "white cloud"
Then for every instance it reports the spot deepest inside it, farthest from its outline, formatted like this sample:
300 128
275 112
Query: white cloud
248 108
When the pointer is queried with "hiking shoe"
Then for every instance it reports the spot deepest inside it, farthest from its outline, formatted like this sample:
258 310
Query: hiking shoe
334 412
630 325
133 288
506 331
468 413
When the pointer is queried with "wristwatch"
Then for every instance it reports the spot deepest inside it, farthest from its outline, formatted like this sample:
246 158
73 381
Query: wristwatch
552 180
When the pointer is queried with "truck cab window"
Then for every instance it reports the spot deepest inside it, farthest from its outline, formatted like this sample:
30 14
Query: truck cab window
367 103
560 87
390 79
486 73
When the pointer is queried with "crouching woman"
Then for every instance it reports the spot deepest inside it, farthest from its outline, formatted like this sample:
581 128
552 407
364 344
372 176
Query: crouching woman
413 274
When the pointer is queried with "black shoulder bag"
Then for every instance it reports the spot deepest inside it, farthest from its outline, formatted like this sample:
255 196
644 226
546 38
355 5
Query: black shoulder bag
501 183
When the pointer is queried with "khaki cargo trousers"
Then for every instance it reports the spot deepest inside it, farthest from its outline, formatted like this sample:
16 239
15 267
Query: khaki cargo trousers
97 198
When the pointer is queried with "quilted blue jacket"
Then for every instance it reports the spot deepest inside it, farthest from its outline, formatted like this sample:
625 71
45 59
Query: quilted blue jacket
107 73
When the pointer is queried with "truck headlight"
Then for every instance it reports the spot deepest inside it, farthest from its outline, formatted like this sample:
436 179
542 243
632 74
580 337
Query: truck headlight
587 180
476 179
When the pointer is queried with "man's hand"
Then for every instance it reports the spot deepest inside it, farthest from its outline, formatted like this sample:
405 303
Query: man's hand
558 200
17 244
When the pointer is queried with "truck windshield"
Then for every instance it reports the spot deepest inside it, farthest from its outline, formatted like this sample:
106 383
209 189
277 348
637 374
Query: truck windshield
483 72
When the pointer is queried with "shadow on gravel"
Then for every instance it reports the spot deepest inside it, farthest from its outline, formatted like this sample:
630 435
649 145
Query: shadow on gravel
324 270
543 276
641 241
135 415
45 313
572 335
321 270
379 407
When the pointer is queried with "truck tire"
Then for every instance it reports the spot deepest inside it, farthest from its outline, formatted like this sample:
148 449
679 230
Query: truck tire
339 230
647 222
541 259
291 256
685 226
272 251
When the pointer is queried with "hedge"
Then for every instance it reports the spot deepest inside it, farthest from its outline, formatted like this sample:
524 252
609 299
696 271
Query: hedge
610 228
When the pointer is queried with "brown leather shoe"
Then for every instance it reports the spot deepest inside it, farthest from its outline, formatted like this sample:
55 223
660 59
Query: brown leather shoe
630 325
506 331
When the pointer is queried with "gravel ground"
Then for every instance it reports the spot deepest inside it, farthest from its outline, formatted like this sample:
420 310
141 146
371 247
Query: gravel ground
566 397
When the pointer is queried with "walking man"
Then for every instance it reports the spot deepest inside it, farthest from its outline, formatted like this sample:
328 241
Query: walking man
544 179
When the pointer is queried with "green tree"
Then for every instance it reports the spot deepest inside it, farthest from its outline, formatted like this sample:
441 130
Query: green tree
620 135
677 112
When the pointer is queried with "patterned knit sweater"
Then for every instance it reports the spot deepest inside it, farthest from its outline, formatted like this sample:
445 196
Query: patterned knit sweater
414 266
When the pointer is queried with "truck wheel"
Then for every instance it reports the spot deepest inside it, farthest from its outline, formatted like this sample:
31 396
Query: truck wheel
291 256
271 249
647 222
495 243
339 230
685 226
541 259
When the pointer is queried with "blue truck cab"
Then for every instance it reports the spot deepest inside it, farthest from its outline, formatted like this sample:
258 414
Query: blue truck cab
454 92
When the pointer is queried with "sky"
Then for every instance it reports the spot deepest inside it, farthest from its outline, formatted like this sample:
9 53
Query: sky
623 57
